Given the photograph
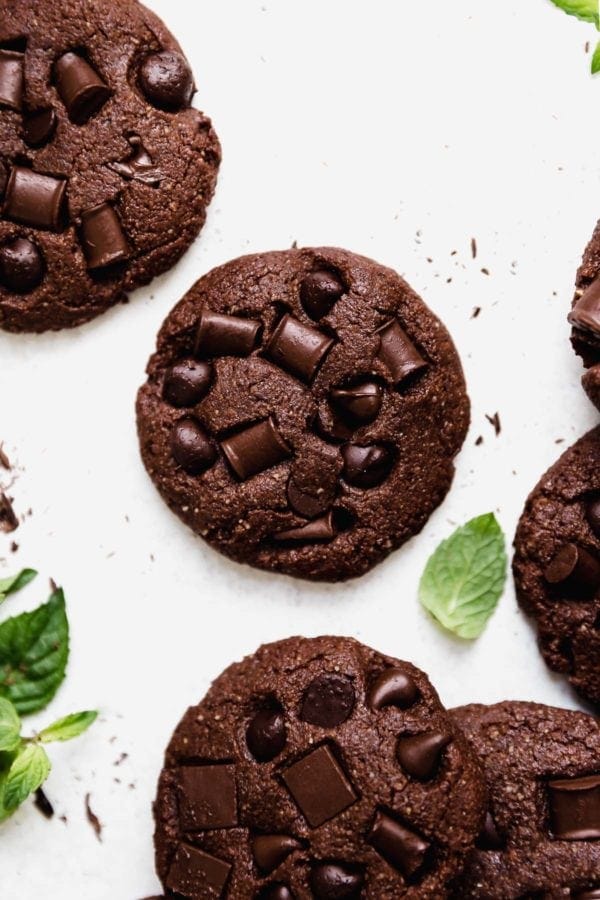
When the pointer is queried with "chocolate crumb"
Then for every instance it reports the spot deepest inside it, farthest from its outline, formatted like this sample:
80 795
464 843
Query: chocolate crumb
42 803
4 460
64 819
559 441
476 311
479 441
121 759
8 519
454 252
473 248
495 422
93 818
587 47
295 245
14 547
485 271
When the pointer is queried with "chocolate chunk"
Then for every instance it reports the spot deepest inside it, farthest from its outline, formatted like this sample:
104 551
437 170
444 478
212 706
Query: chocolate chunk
489 837
256 448
42 803
585 314
359 404
8 518
225 335
194 873
398 353
138 166
81 89
11 79
187 382
21 265
297 348
104 243
39 126
266 734
319 786
592 513
319 291
207 797
166 80
336 881
575 569
305 503
328 700
3 178
366 467
332 428
592 894
400 847
392 688
275 891
191 447
34 199
420 754
270 850
575 808
322 529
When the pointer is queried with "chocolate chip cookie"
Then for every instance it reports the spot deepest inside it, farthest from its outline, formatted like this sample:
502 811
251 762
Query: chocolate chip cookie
541 838
105 170
585 316
316 769
557 564
302 412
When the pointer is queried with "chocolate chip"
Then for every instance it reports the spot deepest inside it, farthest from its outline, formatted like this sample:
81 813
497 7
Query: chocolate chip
207 797
322 529
42 803
359 404
575 808
166 80
21 265
575 569
489 837
256 448
34 199
187 382
194 873
328 700
319 291
305 502
266 735
319 786
585 314
398 353
11 79
138 166
399 846
102 237
366 467
336 881
275 891
420 754
592 513
270 850
297 348
81 89
332 428
225 335
191 447
39 126
392 688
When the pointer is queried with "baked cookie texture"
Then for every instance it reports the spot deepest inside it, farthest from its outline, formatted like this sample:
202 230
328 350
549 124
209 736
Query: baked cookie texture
316 768
557 564
542 834
105 170
302 411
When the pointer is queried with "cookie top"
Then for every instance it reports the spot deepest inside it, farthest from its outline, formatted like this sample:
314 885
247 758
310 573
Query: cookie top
105 170
557 564
585 316
302 411
541 839
316 769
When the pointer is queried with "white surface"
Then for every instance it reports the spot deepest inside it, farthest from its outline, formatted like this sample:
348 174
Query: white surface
396 129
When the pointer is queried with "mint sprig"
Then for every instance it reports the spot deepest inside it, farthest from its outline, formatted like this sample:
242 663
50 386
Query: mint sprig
587 11
464 577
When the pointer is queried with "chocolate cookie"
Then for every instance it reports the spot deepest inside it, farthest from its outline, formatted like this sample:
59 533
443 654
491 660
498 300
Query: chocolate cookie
585 316
557 564
541 839
105 170
302 412
316 769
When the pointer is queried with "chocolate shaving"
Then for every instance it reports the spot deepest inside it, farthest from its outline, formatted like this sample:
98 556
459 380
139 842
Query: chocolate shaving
4 460
42 803
93 818
121 759
495 422
479 441
476 311
8 519
14 547
485 271
473 248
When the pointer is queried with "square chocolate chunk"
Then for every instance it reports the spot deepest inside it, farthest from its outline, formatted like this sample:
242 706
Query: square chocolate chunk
207 797
575 808
196 874
319 786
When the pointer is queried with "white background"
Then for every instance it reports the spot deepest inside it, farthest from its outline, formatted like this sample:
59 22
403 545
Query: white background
397 129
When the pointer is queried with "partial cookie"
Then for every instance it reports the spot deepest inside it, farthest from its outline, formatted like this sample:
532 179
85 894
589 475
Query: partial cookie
105 170
541 838
302 412
317 769
585 316
557 564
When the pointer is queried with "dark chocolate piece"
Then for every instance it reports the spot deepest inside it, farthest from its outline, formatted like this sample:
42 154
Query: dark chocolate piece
207 797
592 513
334 429
102 237
359 404
275 891
297 348
575 808
21 265
392 688
138 166
187 382
80 87
266 734
256 448
270 850
225 335
420 754
8 518
336 881
319 786
34 199
166 80
591 894
585 314
366 467
319 291
39 126
42 803
398 352
322 529
489 837
328 700
575 569
191 447
401 847
11 79
194 873
307 504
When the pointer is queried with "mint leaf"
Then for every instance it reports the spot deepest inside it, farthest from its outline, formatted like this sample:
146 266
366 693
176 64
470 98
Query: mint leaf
15 582
10 726
34 648
67 728
28 771
464 578
596 60
586 10
6 760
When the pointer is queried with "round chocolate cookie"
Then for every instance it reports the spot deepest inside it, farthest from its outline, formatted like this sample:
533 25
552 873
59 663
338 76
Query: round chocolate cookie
302 411
585 316
541 838
557 564
105 170
317 769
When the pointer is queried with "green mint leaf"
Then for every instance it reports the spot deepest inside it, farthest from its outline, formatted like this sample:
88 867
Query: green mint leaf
596 60
464 577
6 761
15 582
586 10
28 771
34 648
10 726
69 727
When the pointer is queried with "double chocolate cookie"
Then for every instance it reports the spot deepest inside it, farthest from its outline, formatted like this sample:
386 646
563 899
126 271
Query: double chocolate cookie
316 769
585 316
557 564
541 839
302 411
105 170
